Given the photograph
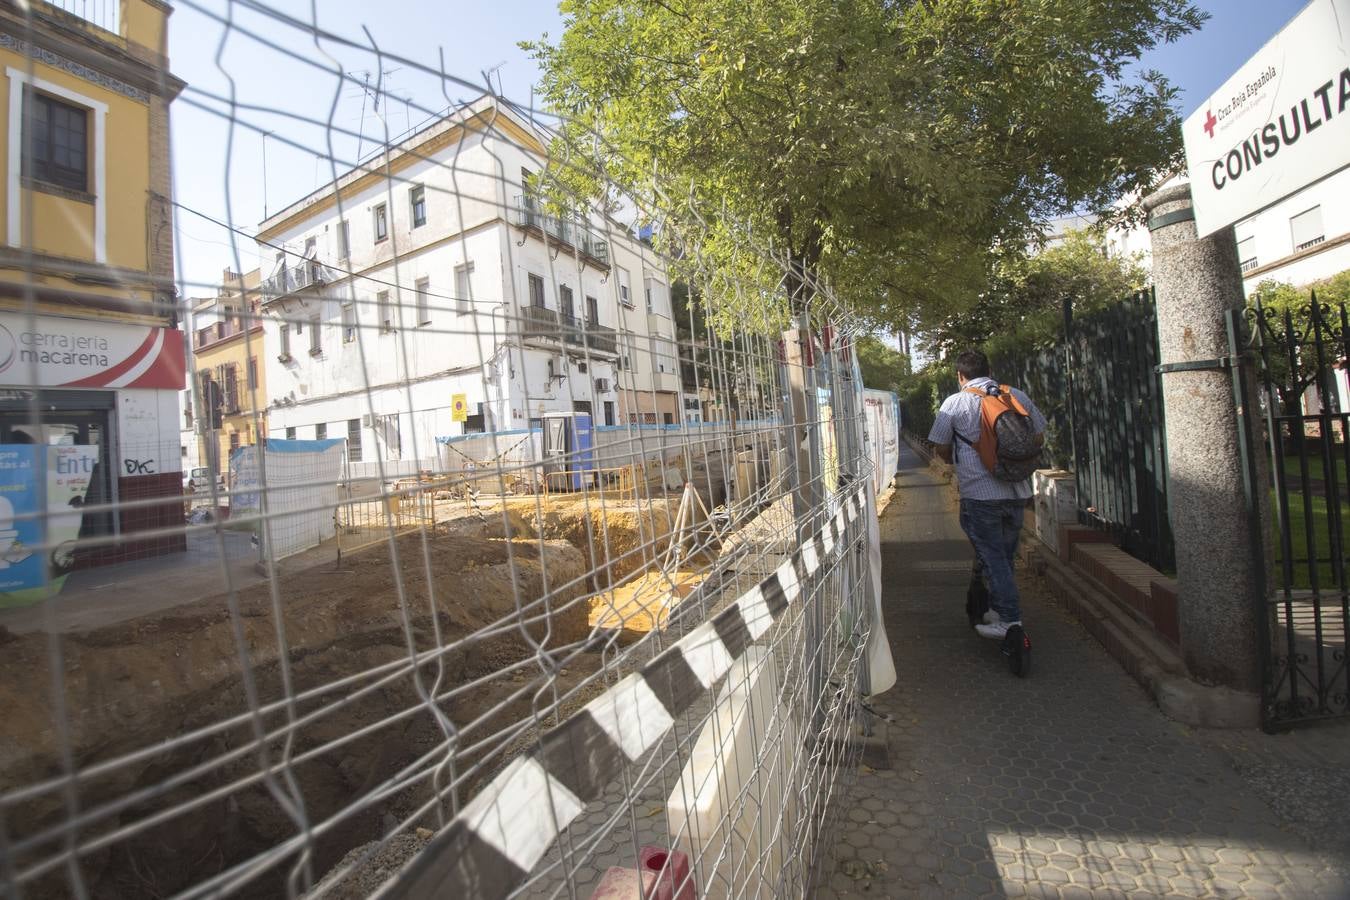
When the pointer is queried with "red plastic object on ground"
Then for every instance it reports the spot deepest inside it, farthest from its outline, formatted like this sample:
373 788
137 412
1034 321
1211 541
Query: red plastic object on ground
661 875
625 884
672 870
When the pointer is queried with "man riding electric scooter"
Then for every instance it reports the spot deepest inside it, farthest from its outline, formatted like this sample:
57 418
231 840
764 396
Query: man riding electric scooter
993 434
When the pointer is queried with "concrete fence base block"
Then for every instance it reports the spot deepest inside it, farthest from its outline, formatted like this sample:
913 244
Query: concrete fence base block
1207 707
1153 663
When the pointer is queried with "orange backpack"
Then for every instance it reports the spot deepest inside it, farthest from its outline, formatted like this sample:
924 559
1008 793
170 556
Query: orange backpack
1007 443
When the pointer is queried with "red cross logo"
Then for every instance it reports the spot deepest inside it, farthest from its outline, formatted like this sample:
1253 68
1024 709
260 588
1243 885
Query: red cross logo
1210 122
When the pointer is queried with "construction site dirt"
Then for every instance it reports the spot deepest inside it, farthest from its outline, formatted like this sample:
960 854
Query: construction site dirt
475 588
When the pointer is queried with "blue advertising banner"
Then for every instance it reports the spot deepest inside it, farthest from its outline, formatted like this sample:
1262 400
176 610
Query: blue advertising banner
21 565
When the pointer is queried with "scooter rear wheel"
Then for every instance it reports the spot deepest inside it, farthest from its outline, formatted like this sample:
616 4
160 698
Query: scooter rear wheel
1017 648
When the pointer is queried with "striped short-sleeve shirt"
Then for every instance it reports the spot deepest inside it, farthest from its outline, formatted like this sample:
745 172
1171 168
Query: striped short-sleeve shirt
960 416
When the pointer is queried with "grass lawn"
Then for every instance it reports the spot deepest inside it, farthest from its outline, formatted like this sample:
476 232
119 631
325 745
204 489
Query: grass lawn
1316 471
1298 536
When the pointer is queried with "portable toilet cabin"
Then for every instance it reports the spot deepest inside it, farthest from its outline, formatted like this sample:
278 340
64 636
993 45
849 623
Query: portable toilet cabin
569 450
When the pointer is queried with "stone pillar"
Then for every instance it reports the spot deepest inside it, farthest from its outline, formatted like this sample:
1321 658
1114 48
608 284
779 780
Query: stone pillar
1197 281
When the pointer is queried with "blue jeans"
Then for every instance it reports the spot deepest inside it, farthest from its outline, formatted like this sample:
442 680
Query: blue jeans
994 526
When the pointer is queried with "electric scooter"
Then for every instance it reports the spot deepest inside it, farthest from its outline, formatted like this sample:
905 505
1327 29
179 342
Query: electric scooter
1016 646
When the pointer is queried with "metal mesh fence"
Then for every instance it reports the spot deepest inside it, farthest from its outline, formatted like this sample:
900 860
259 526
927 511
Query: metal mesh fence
474 544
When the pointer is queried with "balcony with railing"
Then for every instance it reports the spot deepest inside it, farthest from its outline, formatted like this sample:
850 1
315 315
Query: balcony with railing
538 321
291 280
601 339
105 15
219 331
528 213
665 381
571 329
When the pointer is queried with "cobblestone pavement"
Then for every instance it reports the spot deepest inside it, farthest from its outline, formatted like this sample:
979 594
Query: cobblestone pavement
1069 783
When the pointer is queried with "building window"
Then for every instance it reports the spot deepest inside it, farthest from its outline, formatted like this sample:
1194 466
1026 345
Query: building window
475 424
290 433
311 246
252 372
344 239
592 312
285 340
381 223
565 304
392 434
354 440
1247 253
321 431
417 199
348 323
423 287
609 412
1307 229
536 291
386 312
229 377
625 294
234 440
56 142
463 289
315 342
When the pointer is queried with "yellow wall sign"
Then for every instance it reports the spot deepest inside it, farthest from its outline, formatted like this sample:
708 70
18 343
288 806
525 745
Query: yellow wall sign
459 407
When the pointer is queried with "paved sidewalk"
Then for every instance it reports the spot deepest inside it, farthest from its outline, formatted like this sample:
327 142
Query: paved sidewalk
1069 783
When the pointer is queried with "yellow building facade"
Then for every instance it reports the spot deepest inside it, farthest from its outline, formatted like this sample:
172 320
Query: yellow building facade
91 358
227 349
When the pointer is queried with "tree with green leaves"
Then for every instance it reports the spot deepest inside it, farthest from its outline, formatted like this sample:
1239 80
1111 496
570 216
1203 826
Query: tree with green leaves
882 367
893 150
1289 345
1022 309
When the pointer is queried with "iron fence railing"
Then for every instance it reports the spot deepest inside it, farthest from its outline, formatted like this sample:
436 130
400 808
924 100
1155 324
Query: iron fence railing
1296 468
1102 397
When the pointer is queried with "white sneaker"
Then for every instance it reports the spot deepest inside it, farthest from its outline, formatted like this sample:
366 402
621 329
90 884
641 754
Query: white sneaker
997 631
990 617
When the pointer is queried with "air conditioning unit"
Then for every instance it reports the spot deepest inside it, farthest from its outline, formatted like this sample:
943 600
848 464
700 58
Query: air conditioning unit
602 385
367 421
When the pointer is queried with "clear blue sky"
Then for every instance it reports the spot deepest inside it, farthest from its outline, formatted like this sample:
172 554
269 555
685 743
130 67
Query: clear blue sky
1199 63
224 178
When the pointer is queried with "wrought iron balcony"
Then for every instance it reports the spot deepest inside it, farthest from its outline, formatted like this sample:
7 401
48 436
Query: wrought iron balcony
528 212
293 279
538 321
571 329
601 339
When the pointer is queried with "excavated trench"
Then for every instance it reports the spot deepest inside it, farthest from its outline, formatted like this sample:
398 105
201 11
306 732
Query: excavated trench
158 678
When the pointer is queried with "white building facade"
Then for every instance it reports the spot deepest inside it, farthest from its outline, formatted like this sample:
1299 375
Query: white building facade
1302 239
430 296
1299 240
